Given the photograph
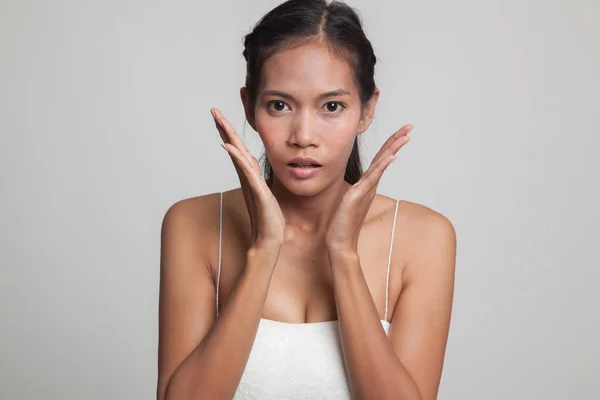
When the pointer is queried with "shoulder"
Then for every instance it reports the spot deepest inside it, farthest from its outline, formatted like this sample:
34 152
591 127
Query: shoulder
418 227
424 219
431 238
189 230
192 213
413 217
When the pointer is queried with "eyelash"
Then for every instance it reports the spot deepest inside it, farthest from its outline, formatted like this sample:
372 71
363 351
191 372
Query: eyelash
339 103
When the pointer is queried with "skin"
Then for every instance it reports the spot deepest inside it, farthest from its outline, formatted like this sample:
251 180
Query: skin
334 253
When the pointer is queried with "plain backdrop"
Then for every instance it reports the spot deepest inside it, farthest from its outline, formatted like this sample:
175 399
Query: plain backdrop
105 123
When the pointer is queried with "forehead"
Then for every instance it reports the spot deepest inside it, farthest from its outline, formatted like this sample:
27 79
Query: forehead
307 69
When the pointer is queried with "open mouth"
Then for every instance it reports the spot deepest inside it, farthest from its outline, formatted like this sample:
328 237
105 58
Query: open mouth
302 171
304 165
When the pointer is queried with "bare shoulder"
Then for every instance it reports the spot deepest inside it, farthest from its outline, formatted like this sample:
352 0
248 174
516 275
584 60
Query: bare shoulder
410 215
429 234
423 217
191 224
193 211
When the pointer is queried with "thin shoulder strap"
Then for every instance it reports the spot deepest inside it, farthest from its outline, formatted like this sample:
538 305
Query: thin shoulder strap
387 278
220 240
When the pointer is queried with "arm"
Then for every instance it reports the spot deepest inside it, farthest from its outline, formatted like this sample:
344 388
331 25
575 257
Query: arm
408 365
200 357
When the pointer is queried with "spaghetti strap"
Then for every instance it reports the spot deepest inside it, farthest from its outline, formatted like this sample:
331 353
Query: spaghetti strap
387 277
220 240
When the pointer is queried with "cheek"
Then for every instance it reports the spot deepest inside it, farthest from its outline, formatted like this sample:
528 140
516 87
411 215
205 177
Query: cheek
272 132
347 127
340 137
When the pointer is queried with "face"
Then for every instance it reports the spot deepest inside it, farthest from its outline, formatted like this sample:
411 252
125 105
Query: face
307 105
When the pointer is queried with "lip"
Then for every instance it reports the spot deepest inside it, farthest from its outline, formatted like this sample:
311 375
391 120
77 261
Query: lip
304 160
303 172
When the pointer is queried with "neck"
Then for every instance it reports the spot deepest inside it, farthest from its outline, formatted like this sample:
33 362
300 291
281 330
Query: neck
308 214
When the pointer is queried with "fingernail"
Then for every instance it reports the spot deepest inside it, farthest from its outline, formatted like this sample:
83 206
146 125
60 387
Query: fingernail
223 146
212 112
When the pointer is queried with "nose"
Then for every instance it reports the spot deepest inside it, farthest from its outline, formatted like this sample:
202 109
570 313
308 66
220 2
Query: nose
303 130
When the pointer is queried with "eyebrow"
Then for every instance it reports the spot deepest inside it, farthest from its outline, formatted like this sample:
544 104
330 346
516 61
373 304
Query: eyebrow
333 93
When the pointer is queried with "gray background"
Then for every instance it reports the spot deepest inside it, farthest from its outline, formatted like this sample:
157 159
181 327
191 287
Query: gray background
104 121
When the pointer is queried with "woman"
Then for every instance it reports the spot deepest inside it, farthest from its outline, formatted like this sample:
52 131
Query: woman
305 283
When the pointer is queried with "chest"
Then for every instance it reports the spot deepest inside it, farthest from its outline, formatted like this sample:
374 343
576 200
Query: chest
302 287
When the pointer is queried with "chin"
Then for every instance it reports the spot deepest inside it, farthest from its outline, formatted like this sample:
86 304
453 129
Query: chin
301 187
304 189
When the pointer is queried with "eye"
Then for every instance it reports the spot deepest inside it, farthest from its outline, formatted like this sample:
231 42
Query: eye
276 105
333 106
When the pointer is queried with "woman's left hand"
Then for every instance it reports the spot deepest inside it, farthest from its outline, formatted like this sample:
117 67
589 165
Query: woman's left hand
345 225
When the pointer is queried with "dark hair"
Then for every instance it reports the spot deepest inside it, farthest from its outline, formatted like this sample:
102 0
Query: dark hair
297 22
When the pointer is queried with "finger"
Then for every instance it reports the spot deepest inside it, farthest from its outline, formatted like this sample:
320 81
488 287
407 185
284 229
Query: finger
370 179
383 158
394 142
238 168
253 177
238 163
219 129
217 117
249 157
229 135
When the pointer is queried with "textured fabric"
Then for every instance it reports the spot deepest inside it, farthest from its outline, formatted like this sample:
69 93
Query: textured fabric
296 361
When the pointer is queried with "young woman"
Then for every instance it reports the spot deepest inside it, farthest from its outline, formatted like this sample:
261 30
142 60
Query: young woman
305 283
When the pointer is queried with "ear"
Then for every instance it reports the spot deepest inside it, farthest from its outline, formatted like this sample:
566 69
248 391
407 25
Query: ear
247 109
369 112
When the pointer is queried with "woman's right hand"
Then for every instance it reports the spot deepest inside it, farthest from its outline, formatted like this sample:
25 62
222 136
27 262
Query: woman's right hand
266 219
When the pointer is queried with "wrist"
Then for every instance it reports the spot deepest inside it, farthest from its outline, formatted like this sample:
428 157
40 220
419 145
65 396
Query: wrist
263 254
342 254
265 248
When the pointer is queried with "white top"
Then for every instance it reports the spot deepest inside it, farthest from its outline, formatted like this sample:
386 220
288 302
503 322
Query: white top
297 360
